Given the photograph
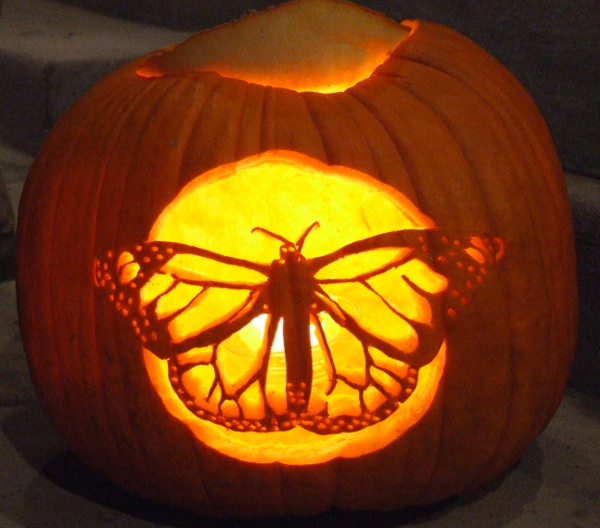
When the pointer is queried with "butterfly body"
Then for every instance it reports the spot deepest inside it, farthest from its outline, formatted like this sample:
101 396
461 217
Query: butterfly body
290 299
293 296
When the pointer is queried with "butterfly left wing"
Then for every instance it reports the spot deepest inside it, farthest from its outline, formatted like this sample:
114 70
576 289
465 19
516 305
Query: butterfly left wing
179 297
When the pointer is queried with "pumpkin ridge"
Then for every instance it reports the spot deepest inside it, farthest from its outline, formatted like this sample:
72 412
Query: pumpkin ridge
192 159
541 184
123 420
60 194
533 215
355 93
328 113
537 149
285 111
255 102
344 100
377 109
393 81
491 453
412 194
267 112
528 167
26 256
199 459
223 109
483 196
516 97
305 97
240 128
132 154
185 93
198 155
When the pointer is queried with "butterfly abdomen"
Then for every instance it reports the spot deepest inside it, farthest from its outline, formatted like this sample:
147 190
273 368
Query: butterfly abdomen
291 290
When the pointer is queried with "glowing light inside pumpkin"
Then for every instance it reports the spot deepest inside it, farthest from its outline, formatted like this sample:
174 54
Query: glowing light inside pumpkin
253 334
214 389
314 46
298 446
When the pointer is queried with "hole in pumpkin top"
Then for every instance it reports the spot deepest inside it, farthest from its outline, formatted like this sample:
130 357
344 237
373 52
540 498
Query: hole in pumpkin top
322 46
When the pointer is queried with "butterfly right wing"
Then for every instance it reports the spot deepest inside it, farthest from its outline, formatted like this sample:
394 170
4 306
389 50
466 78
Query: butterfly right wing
179 297
414 283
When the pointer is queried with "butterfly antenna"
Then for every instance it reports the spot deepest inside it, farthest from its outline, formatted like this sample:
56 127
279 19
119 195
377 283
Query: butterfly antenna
301 240
271 234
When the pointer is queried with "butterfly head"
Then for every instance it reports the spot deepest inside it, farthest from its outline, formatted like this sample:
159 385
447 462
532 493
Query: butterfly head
289 250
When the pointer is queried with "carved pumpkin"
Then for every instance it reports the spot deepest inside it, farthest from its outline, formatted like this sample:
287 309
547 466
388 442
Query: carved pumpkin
335 271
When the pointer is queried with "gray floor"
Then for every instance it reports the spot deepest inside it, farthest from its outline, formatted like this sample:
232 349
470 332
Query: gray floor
555 485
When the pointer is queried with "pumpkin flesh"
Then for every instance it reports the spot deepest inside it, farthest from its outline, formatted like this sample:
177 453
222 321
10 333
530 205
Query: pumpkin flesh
316 45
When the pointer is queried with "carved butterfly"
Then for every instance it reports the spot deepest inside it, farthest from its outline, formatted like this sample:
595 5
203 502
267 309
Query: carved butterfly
183 306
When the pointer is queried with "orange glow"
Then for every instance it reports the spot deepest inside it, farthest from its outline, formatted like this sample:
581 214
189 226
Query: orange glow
219 209
218 212
357 207
288 310
317 45
298 446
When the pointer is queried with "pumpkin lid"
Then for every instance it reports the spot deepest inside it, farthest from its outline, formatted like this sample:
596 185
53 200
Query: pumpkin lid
306 45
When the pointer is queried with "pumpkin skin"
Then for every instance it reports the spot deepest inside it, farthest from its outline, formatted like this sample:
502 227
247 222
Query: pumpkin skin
442 122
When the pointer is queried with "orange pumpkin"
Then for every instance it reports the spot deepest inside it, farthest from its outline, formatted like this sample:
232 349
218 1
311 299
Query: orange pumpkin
311 258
